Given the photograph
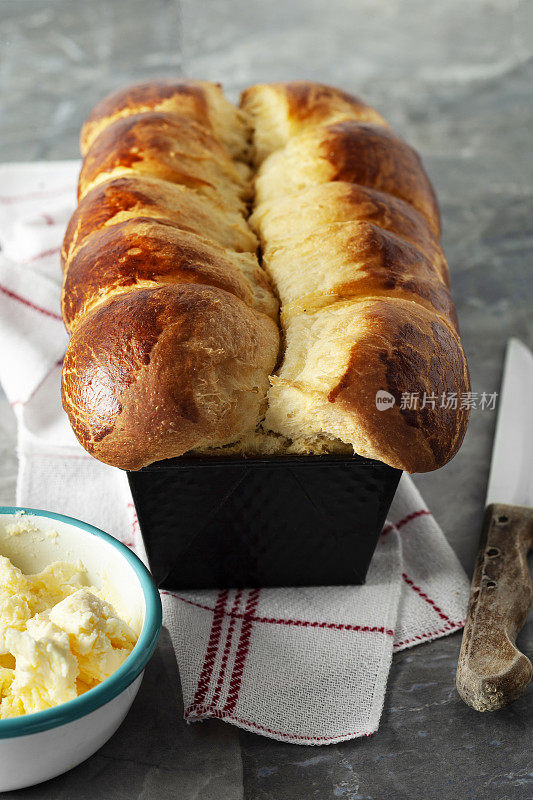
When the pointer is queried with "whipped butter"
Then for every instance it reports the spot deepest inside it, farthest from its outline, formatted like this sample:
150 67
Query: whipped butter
59 637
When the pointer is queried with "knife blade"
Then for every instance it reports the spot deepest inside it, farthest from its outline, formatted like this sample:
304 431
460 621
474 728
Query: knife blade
491 671
511 469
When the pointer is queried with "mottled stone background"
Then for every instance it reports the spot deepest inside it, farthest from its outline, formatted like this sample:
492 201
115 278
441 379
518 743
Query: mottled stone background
453 78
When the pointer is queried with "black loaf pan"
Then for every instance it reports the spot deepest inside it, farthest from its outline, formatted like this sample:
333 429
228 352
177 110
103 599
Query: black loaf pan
216 523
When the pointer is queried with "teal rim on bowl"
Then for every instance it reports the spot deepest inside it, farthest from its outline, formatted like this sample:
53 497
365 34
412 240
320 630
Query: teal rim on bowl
125 674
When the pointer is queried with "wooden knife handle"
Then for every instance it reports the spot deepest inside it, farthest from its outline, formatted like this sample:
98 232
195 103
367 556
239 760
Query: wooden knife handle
492 672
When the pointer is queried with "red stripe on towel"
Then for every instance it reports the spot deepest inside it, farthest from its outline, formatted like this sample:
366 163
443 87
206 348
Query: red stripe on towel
453 626
29 304
242 651
227 648
421 513
45 254
302 623
424 596
211 651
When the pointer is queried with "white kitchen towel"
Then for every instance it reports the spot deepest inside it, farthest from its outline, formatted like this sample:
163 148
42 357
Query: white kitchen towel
307 666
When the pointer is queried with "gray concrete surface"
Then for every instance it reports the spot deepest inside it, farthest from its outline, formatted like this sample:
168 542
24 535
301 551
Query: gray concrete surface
454 79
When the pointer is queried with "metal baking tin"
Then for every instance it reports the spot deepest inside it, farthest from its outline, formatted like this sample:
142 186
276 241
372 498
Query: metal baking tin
243 522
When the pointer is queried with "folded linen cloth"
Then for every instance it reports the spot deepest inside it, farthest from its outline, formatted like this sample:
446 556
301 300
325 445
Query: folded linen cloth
307 666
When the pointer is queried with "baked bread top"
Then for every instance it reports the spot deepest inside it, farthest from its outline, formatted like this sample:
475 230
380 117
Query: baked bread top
175 331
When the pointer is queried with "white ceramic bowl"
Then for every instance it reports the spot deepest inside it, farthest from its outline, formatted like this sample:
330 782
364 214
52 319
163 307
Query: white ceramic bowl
36 747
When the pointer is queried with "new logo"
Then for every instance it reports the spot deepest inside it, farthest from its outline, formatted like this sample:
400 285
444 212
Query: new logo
384 400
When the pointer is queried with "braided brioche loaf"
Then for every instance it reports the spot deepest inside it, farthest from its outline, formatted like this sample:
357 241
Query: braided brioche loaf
349 226
173 321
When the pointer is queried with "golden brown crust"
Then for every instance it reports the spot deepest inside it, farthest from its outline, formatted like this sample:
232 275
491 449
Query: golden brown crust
201 101
141 251
172 340
356 259
409 350
310 103
339 358
354 152
172 336
298 105
339 202
349 226
132 196
165 146
155 372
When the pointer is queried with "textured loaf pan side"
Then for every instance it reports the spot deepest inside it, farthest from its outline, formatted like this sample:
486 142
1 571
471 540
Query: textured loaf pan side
282 521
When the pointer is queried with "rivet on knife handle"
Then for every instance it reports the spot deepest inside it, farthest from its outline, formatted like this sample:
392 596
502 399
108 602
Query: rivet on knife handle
492 672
